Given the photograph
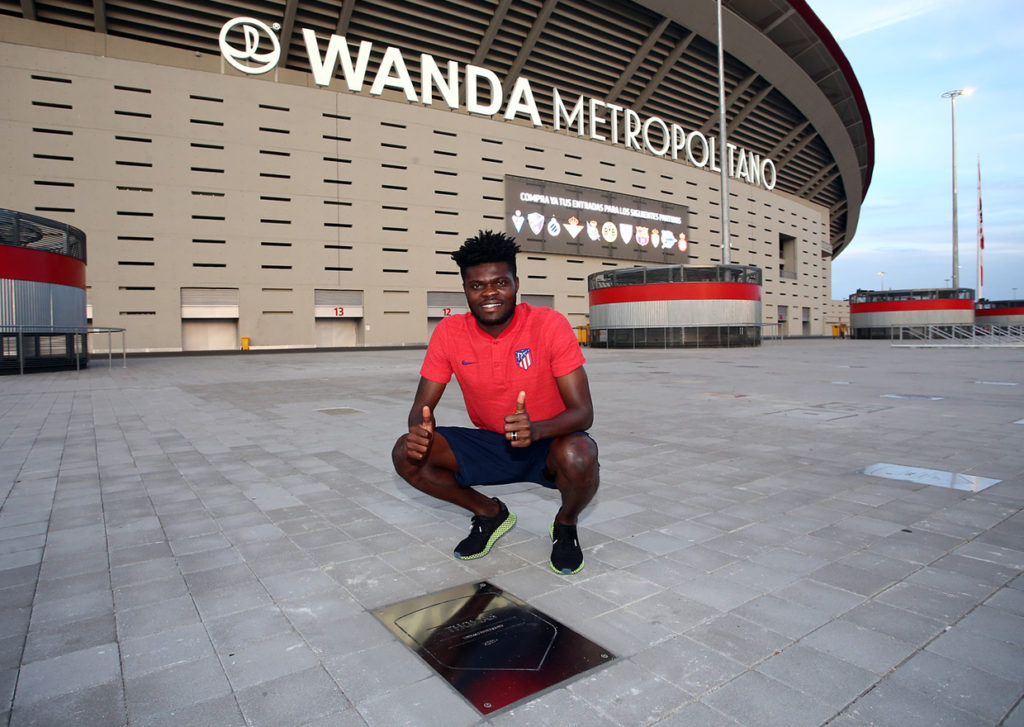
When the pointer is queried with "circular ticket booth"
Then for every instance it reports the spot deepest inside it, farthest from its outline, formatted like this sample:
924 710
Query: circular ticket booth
881 313
42 294
672 306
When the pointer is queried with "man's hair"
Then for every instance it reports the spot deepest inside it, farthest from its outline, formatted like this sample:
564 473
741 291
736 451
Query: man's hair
486 246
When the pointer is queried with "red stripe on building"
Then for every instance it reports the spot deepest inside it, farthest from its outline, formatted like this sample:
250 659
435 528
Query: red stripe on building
999 312
911 305
40 266
675 291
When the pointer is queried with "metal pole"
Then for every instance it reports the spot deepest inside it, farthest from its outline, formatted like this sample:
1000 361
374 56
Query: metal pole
723 156
956 242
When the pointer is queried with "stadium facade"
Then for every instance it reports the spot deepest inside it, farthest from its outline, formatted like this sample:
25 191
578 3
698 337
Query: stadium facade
296 173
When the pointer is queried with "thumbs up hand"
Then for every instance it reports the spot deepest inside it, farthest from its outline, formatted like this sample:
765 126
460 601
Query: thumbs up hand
517 424
421 436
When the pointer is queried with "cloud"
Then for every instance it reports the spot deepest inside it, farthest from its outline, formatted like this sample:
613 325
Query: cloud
848 20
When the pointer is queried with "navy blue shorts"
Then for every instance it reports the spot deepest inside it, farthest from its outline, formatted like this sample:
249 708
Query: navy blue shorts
487 458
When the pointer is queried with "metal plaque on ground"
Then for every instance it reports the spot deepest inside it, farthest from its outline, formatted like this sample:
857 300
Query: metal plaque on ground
492 647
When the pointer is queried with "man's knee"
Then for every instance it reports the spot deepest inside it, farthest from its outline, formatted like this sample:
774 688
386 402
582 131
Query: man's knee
400 458
575 456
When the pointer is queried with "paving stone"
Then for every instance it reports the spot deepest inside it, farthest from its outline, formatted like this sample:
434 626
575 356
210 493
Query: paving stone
822 676
755 699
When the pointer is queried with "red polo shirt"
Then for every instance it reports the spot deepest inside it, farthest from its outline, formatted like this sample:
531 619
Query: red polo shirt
537 347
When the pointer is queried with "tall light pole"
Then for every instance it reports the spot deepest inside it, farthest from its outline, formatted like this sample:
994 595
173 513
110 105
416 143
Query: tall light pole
723 152
951 95
881 274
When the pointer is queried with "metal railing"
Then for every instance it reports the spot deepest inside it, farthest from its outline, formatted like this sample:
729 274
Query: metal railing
62 343
959 335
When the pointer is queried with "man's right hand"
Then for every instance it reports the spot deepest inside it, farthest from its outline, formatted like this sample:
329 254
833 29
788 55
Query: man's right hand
420 437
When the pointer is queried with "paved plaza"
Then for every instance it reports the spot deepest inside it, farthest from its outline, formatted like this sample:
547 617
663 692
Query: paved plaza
201 541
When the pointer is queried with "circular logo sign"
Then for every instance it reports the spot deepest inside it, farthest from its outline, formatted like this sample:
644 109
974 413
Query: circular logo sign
252 32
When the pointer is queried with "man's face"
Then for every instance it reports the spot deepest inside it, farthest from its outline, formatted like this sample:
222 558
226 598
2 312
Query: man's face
491 294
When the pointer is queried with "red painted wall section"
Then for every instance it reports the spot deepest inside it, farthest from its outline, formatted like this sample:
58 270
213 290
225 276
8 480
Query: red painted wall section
911 305
675 291
39 266
999 312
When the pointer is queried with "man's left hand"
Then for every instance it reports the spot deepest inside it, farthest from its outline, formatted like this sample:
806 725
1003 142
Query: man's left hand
517 425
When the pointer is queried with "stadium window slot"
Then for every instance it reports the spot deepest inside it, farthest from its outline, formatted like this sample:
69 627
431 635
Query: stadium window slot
272 175
52 105
395 249
209 265
534 148
206 193
607 163
394 270
442 152
45 183
338 181
137 313
54 209
446 212
641 186
61 132
207 241
337 269
272 130
276 267
332 137
446 232
446 173
573 174
537 277
446 192
206 122
275 153
575 280
337 160
492 198
271 107
136 139
606 179
215 218
573 156
532 257
332 246
54 157
338 202
125 163
397 187
395 229
390 145
345 225
493 179
136 287
491 160
639 171
493 217
136 238
342 117
134 213
499 142
268 198
535 166
211 99
50 79
578 262
268 221
134 114
392 124
125 188
207 170
394 207
269 243
610 265
132 89
136 263
393 166
443 132
667 176
445 272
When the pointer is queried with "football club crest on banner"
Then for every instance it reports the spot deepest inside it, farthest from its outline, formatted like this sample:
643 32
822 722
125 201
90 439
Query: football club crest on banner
642 236
523 358
626 231
517 220
536 220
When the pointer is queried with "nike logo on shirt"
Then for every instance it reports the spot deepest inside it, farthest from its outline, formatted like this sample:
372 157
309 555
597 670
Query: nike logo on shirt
467 363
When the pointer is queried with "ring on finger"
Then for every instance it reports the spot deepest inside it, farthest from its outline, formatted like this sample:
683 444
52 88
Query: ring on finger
515 436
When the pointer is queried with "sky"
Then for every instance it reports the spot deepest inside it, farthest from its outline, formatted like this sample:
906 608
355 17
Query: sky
905 54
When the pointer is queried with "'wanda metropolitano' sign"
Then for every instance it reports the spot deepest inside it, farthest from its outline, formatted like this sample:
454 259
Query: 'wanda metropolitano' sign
252 47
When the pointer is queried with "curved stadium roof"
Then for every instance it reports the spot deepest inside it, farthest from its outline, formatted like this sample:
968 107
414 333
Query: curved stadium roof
790 92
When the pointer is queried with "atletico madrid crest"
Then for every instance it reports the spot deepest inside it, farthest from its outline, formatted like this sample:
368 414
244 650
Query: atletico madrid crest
523 358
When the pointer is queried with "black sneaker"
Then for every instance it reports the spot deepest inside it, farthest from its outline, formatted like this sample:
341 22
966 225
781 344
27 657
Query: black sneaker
566 555
485 533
